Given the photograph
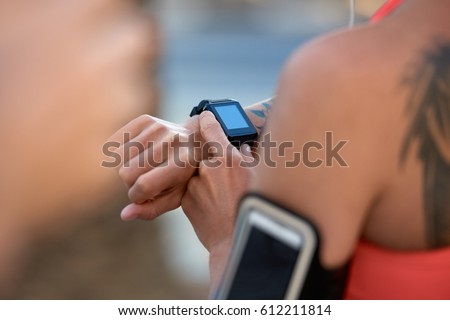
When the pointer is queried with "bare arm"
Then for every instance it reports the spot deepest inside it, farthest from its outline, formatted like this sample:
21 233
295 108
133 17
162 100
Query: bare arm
330 172
258 113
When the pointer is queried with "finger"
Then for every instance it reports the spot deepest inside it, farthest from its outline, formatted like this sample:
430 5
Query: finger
247 154
231 159
152 208
145 161
140 143
131 130
246 150
152 183
211 130
217 143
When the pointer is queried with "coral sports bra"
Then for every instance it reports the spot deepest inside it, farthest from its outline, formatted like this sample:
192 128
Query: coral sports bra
379 273
386 9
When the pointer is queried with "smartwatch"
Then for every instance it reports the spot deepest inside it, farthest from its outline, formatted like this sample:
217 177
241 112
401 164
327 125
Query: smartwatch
232 118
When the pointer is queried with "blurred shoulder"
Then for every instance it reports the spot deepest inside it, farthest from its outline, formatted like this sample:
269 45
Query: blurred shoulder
337 56
345 72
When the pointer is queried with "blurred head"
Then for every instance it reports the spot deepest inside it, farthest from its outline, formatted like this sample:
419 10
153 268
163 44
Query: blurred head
71 73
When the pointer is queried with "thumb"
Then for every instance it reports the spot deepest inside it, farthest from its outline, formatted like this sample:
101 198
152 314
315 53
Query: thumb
211 130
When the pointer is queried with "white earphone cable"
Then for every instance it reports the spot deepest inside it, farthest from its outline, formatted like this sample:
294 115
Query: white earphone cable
351 22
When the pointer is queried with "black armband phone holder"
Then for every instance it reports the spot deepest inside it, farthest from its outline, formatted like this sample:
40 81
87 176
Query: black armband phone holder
275 255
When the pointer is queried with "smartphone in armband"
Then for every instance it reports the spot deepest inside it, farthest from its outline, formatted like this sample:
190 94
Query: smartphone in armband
274 255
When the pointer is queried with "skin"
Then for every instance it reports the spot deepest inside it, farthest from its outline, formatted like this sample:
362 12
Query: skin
383 194
60 100
159 187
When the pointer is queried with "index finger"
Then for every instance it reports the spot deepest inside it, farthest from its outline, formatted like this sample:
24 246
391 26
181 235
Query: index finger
131 130
154 182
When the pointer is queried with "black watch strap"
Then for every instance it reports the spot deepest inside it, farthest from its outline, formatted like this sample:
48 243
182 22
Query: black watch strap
202 105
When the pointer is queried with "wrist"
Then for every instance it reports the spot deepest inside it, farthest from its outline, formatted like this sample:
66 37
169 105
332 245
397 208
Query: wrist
192 125
258 113
218 259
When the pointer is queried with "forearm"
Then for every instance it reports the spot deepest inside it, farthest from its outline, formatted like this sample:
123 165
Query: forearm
259 112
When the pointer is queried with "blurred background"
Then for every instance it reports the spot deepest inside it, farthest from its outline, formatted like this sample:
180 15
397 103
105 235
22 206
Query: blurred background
71 73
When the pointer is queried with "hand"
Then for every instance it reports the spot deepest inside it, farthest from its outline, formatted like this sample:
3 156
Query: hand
211 198
158 159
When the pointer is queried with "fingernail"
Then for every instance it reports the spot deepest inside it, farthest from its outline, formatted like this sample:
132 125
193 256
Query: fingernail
126 215
246 149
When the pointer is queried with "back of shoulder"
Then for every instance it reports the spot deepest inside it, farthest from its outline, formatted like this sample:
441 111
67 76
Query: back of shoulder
339 57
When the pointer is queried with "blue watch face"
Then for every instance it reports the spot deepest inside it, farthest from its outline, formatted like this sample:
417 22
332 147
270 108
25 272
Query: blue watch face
231 116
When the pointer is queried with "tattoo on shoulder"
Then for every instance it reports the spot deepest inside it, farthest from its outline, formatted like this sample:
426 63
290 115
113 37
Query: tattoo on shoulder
429 106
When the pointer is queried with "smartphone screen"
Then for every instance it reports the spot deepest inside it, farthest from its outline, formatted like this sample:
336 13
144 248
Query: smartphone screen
267 261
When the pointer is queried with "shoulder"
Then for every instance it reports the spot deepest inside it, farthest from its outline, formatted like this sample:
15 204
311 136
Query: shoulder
346 83
320 111
334 61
